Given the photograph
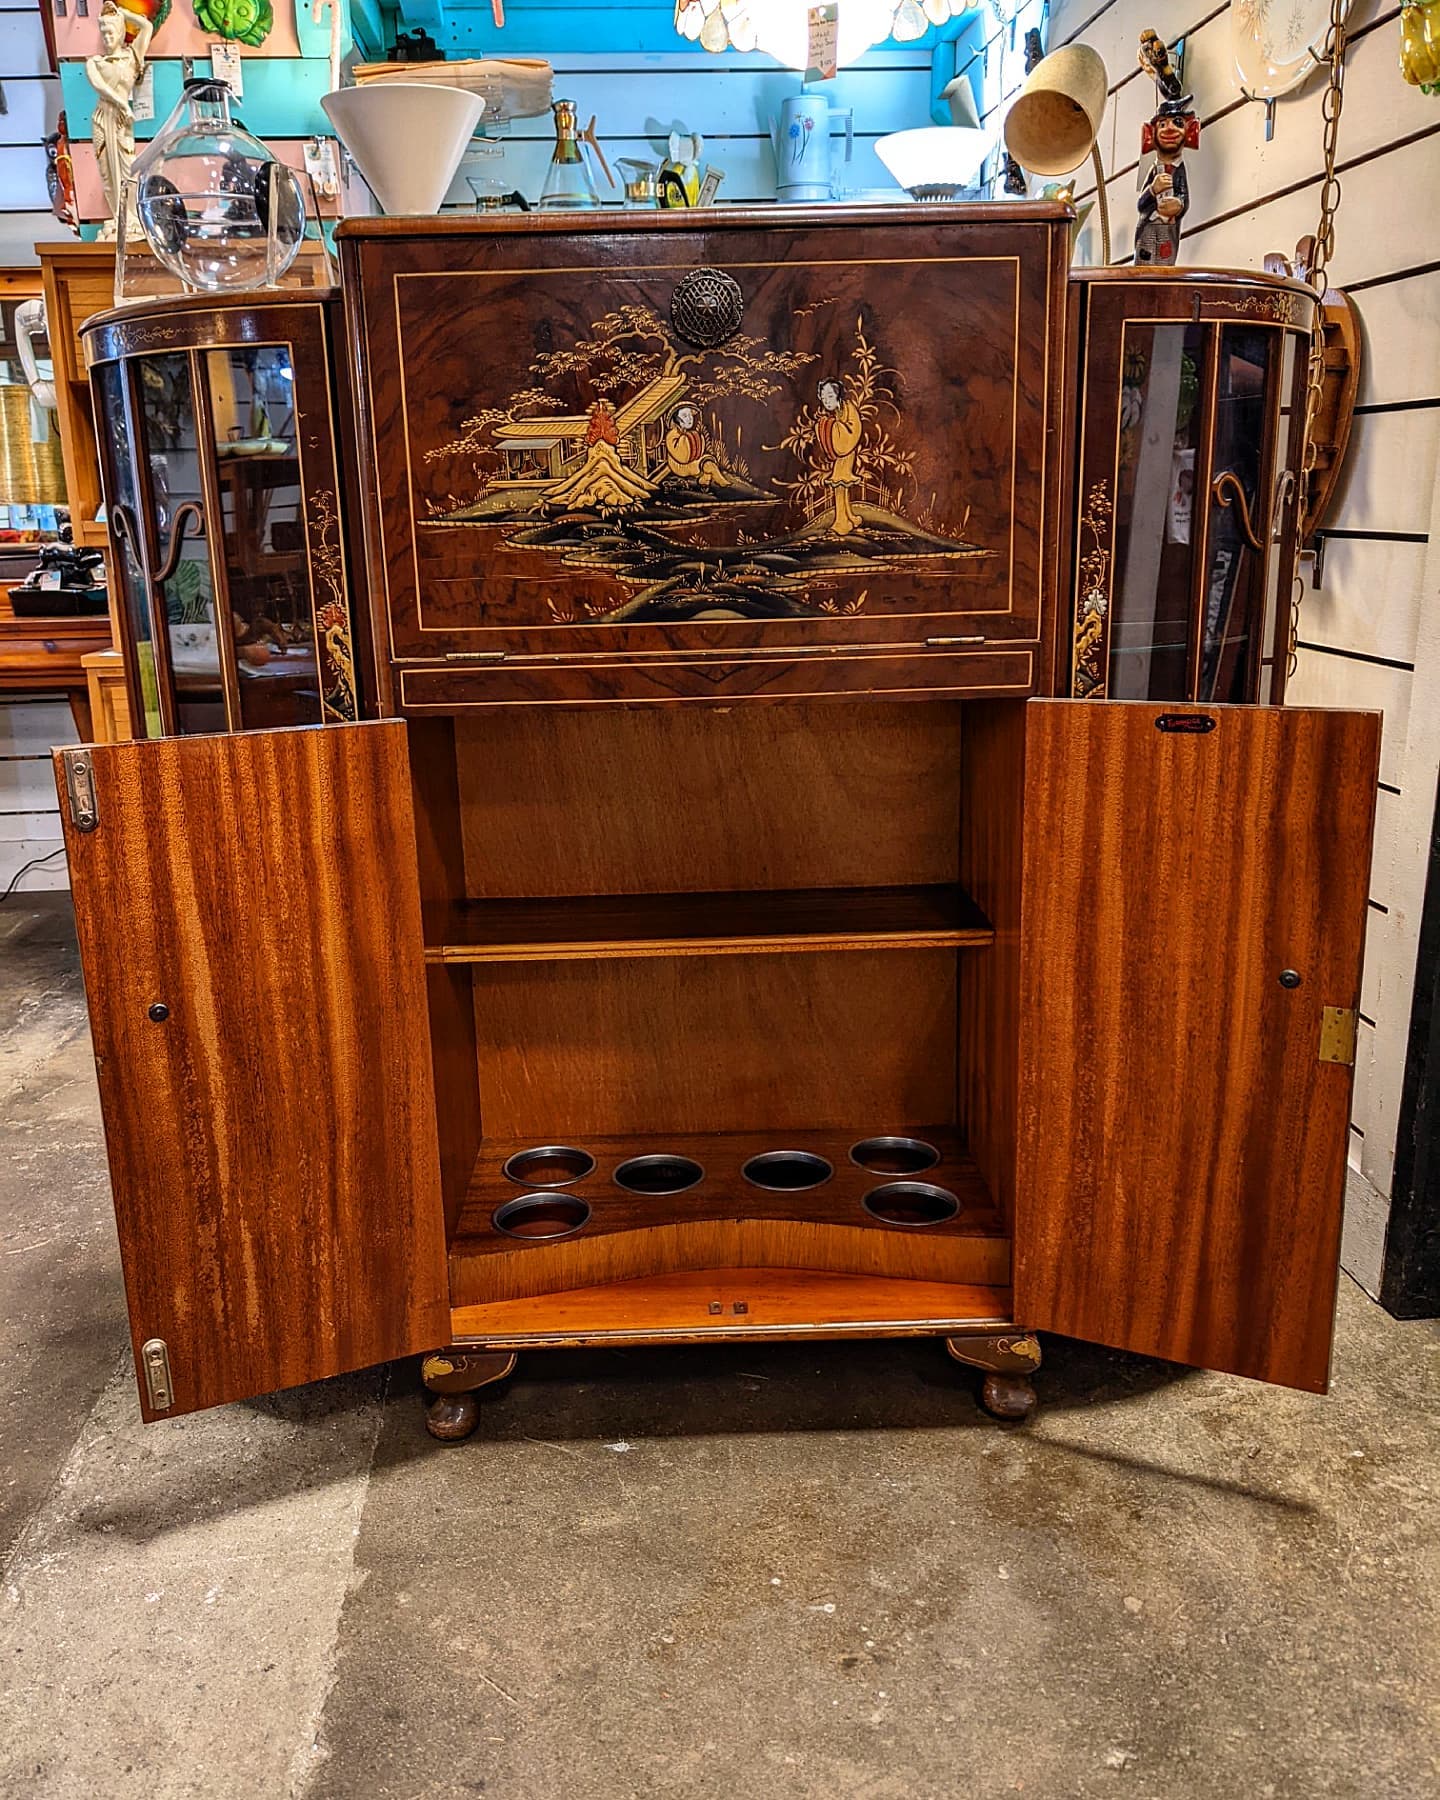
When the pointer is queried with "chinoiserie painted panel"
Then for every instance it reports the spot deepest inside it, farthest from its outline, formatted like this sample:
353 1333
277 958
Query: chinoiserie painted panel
721 438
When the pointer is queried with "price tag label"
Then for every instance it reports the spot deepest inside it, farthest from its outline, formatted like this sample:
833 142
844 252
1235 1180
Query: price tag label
225 66
824 28
142 98
49 579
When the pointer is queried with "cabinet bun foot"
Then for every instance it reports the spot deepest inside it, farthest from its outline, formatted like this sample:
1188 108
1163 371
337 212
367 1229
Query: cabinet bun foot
452 1417
453 1376
1007 1396
1007 1360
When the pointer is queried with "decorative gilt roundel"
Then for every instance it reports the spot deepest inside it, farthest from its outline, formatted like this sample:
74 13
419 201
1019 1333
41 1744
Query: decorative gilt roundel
706 308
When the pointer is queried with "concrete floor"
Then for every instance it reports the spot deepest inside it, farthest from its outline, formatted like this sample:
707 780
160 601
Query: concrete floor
814 1571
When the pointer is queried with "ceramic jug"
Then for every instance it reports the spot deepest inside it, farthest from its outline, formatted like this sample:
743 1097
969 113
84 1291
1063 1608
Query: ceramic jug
802 146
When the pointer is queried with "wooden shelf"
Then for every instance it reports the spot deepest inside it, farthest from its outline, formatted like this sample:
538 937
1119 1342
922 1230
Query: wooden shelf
777 1304
728 924
725 1221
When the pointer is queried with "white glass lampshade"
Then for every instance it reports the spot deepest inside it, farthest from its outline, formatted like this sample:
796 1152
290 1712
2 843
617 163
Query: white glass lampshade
934 161
780 27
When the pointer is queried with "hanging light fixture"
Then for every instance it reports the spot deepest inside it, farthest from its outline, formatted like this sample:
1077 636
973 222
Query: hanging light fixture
781 27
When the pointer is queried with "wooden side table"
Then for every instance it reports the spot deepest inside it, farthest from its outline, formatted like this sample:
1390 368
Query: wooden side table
109 702
49 655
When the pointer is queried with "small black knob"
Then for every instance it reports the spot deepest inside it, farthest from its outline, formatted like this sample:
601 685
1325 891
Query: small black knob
1289 978
159 1012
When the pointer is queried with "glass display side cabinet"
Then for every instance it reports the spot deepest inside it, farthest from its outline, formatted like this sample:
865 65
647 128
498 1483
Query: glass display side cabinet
218 443
1188 392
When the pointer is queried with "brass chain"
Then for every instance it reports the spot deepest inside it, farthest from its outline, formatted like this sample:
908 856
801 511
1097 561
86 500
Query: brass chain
1318 276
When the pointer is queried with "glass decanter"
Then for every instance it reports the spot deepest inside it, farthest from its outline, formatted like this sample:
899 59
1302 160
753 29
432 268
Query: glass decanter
216 206
569 186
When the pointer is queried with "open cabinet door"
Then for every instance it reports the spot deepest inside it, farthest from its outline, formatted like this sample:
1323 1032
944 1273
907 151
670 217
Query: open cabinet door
249 918
1184 1099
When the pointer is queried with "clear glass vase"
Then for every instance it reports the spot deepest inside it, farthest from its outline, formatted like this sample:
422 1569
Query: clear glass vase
215 205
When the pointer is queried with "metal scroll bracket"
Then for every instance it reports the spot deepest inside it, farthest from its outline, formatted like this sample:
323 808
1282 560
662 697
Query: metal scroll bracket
1226 488
188 512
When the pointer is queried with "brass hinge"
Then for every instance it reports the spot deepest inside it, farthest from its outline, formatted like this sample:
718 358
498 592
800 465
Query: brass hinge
80 789
476 656
155 1360
1337 1035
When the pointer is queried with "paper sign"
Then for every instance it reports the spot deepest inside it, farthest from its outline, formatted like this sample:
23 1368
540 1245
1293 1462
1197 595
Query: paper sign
225 66
824 28
142 98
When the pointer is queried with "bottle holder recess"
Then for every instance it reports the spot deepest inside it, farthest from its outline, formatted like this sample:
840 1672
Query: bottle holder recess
911 1203
550 1212
549 1166
658 1174
894 1155
787 1171
537 1216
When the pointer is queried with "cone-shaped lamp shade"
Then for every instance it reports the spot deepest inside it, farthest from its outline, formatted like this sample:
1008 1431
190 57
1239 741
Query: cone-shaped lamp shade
934 161
1055 119
407 136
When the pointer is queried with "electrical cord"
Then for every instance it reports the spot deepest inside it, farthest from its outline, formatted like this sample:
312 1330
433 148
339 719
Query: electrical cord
34 863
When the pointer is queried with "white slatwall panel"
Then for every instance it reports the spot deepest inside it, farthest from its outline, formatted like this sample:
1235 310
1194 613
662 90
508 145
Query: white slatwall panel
29 819
1371 626
32 104
638 100
29 814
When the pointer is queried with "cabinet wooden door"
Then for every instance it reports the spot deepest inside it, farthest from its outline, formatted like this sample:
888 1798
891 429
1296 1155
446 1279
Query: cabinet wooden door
249 919
1193 919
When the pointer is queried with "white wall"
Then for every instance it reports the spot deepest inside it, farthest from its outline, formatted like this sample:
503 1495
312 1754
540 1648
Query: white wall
1370 634
32 105
29 819
638 98
29 812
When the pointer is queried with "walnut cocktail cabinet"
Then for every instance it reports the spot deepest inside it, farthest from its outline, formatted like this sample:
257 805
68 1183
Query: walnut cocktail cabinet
721 933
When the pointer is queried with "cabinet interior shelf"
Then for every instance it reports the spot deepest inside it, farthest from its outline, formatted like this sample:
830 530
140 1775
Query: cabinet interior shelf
640 925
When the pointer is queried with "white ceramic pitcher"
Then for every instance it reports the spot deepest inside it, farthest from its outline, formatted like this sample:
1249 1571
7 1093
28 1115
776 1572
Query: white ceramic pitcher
803 154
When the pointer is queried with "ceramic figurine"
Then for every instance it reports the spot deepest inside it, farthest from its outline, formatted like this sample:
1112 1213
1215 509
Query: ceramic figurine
60 175
1165 197
114 72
